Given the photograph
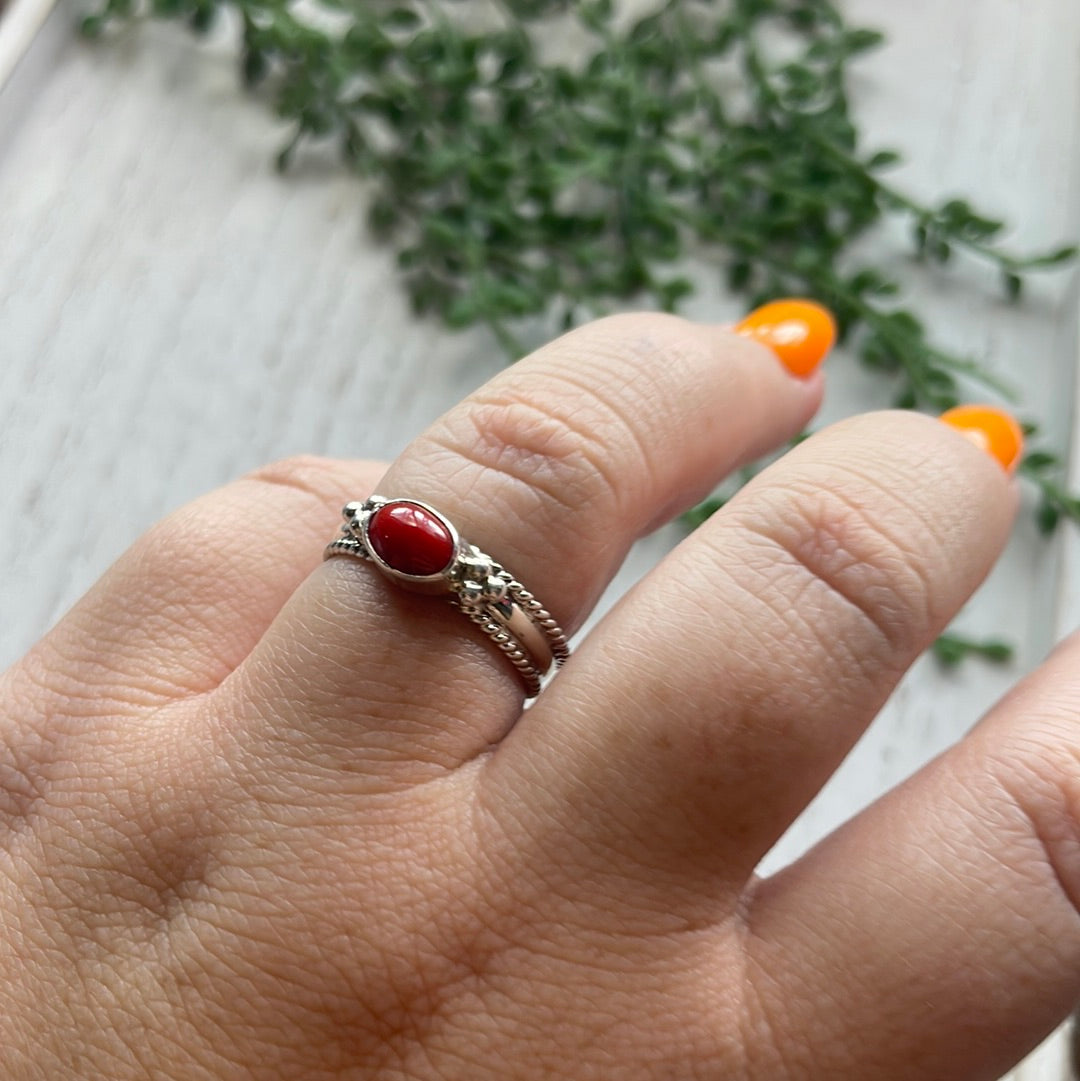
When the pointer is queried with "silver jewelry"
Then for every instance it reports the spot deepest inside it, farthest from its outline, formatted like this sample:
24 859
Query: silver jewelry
416 546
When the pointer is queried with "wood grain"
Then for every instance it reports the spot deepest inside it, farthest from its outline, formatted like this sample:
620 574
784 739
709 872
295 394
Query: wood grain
173 313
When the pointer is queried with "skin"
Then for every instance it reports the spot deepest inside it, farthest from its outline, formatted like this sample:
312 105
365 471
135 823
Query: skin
266 817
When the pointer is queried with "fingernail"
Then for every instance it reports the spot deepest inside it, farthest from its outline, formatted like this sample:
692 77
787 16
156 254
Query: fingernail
799 332
991 429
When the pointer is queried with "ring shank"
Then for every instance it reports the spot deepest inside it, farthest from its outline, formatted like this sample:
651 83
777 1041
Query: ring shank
518 623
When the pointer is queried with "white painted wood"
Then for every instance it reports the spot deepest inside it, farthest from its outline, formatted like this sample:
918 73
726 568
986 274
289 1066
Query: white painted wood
172 313
1050 1062
21 22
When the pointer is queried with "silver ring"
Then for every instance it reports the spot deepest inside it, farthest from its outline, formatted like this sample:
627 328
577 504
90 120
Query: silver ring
416 546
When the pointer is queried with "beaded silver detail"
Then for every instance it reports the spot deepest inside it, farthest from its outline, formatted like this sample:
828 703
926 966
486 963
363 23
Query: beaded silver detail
483 590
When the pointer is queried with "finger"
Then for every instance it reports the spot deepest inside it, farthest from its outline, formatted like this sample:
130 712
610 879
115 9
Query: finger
937 935
712 704
554 467
187 602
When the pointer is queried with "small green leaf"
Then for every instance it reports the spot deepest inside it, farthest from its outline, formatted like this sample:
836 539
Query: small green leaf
951 649
882 159
93 26
939 381
860 40
1014 284
997 652
400 19
739 274
948 651
255 66
383 217
955 210
1047 517
462 312
203 17
673 291
1053 258
595 14
1039 460
285 155
904 323
940 250
703 512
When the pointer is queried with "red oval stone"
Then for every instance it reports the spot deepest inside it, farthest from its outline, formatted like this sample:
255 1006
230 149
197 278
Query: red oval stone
410 539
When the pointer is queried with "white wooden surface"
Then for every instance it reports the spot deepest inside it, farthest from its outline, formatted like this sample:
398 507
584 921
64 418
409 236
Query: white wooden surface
172 313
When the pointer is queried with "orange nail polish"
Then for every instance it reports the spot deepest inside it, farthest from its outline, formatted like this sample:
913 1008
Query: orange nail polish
991 429
799 332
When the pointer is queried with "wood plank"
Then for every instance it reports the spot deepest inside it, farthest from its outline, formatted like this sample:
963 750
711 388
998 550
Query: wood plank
22 21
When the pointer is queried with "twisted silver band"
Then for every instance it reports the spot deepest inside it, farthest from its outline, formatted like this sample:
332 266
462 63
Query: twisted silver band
418 547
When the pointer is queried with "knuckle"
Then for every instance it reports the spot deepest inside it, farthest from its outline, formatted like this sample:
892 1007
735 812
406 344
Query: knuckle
837 538
552 445
308 473
583 426
1040 777
197 536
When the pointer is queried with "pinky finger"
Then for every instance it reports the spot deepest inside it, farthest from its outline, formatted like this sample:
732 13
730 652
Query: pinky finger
937 935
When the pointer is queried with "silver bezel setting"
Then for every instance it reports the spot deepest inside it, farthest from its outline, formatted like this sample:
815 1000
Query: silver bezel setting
485 592
441 580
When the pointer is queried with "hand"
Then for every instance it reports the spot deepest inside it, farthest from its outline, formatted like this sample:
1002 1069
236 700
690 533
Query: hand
266 817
